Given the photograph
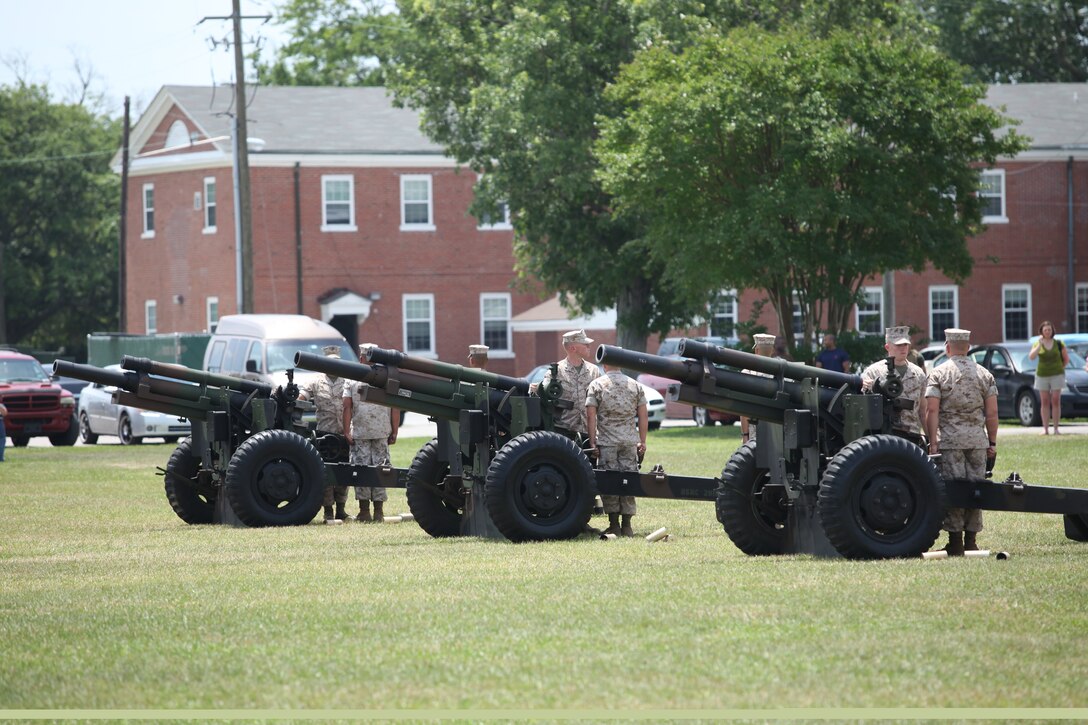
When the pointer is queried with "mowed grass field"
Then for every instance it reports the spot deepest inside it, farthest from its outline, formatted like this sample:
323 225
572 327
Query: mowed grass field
110 601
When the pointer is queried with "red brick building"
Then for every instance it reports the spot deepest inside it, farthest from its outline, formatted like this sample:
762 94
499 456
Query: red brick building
383 247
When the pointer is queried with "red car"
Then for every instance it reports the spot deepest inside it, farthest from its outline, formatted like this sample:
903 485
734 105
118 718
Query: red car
36 405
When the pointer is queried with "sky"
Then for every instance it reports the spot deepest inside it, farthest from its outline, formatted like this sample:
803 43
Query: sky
133 47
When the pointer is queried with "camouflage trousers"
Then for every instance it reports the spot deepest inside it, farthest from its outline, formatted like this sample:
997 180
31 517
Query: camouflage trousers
963 463
618 458
335 494
369 452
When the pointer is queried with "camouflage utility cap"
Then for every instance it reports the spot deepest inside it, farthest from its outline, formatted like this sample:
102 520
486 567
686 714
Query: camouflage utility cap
763 339
331 350
897 335
366 347
955 334
578 336
478 349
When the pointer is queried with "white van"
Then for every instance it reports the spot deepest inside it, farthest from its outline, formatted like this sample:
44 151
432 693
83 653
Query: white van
263 347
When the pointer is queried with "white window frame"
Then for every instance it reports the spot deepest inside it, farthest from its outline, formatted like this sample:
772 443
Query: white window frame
151 317
417 227
797 317
212 321
405 299
879 291
498 226
955 307
325 201
148 231
210 203
1003 217
734 314
497 352
1015 287
1080 299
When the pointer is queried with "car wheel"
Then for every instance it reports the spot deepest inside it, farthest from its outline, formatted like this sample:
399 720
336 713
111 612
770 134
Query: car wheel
89 437
68 437
124 431
701 416
1027 408
653 426
20 441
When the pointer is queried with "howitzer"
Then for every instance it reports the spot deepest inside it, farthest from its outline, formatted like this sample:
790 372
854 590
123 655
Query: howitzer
250 459
827 474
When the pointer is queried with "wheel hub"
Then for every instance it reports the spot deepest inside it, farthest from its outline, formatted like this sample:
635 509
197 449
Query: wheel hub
545 491
886 503
279 481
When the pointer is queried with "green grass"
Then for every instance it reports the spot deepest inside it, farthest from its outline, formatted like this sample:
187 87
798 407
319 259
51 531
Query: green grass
110 601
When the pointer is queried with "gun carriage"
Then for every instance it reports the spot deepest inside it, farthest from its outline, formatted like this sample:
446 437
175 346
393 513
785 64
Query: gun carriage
826 473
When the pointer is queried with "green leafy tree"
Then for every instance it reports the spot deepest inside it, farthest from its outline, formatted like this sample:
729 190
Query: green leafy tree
1014 41
58 220
333 43
800 165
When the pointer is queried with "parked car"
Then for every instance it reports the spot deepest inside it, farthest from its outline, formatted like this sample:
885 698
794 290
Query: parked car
1015 376
36 405
931 352
99 415
655 403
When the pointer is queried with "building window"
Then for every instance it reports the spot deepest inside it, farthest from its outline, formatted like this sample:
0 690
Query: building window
212 308
416 204
798 318
992 193
723 314
209 205
338 203
499 221
1082 307
1016 306
870 316
495 322
151 317
944 310
149 211
419 324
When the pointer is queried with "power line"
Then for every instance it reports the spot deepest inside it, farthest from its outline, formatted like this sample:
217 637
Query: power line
42 159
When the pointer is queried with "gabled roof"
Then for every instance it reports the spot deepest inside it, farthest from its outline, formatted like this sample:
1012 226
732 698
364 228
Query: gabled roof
1053 115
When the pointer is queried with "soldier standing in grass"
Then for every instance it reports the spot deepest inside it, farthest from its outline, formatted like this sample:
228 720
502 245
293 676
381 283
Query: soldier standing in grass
961 423
762 345
575 375
369 429
327 394
908 422
617 423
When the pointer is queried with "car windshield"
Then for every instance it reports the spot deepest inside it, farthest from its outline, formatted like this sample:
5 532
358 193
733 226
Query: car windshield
1020 353
24 371
281 353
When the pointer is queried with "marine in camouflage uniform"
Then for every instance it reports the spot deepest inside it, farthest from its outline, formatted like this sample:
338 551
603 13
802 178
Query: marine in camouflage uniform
908 422
961 421
617 424
326 393
371 429
762 345
575 375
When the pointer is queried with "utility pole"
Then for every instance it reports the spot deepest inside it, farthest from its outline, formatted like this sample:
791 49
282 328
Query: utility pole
242 211
122 251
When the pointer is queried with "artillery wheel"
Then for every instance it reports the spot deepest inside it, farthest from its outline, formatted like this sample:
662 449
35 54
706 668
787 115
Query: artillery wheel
276 478
124 432
85 433
189 491
435 513
540 487
881 498
757 525
68 437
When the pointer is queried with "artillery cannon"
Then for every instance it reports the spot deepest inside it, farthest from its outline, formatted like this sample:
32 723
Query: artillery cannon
250 459
826 474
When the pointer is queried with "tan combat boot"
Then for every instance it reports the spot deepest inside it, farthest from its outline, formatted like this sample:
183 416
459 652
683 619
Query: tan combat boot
379 515
364 513
625 529
969 543
955 543
613 524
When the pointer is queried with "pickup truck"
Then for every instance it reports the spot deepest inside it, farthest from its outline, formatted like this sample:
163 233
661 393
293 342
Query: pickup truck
36 405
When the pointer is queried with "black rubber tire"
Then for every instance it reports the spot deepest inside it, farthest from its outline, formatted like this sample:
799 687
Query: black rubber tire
1027 408
124 431
881 498
68 437
701 416
276 478
435 515
531 471
20 441
191 494
171 439
757 528
85 433
653 426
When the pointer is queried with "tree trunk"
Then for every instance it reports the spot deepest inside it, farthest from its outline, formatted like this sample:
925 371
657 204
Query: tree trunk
3 308
631 308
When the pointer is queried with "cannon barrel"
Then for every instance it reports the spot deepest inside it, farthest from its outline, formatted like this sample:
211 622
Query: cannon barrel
401 360
202 377
101 376
771 365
